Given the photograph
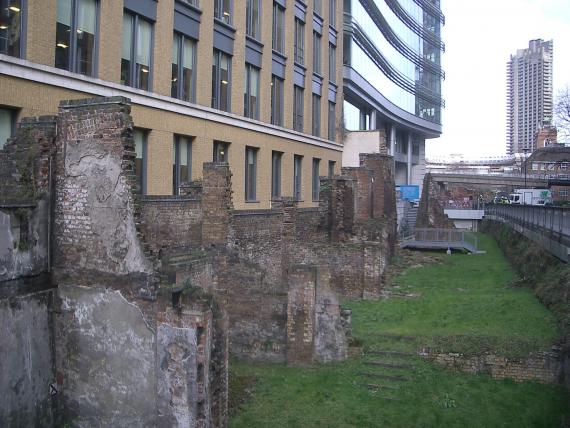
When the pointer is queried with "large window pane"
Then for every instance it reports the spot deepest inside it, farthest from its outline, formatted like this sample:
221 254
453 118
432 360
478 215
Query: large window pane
251 94
252 18
6 125
276 174
332 13
316 115
278 42
63 34
298 106
75 35
175 84
316 53
143 46
221 81
86 23
297 177
189 57
10 27
277 101
316 182
181 162
136 52
299 42
140 137
127 49
250 173
332 121
222 10
332 63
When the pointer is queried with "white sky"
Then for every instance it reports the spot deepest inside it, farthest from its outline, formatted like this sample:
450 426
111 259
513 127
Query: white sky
480 36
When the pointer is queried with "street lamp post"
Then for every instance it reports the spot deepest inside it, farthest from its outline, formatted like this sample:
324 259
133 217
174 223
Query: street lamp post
525 166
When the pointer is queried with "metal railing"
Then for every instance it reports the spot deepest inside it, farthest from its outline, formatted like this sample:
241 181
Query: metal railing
551 220
443 237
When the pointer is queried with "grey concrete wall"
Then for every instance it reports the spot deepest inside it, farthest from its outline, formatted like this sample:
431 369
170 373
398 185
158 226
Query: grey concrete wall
26 361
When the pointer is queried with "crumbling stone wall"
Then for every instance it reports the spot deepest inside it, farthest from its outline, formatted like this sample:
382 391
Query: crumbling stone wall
430 211
25 198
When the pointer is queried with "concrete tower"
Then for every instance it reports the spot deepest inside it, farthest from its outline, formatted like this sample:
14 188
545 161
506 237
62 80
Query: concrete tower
529 95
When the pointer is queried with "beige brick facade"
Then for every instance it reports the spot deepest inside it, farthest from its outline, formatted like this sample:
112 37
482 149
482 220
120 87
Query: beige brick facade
36 89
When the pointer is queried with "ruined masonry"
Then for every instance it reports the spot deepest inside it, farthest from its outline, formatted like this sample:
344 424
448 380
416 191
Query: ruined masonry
121 310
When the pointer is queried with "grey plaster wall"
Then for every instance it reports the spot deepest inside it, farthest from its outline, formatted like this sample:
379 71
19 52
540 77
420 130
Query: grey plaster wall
26 361
106 359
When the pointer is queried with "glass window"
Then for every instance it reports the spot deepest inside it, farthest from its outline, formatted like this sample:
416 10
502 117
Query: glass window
253 12
75 36
221 152
316 115
181 162
332 63
221 81
183 68
223 10
7 122
276 174
11 27
278 41
136 51
298 106
316 53
251 93
332 13
332 122
299 41
316 184
331 168
319 7
140 137
277 95
297 177
250 173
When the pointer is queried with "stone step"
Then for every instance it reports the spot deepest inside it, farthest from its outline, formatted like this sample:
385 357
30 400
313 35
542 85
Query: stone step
379 386
399 366
399 354
396 378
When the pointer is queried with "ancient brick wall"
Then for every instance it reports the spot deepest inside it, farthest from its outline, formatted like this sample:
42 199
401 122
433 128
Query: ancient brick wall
168 222
95 225
25 198
216 204
430 211
301 315
544 367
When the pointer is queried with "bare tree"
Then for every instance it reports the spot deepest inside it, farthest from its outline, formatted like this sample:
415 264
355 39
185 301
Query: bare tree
562 113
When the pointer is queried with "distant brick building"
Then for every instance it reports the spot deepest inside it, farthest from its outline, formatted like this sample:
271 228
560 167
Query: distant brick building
553 161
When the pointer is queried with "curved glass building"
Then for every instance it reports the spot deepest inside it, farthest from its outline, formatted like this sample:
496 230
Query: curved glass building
393 74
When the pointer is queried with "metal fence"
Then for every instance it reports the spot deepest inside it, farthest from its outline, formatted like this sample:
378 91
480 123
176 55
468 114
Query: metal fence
553 220
442 237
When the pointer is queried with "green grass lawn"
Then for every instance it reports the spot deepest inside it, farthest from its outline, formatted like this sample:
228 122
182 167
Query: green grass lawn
464 298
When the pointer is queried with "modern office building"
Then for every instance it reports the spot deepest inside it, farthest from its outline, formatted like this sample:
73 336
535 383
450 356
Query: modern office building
256 83
392 77
529 95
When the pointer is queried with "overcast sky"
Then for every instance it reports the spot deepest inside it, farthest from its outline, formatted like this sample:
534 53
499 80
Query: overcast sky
480 36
